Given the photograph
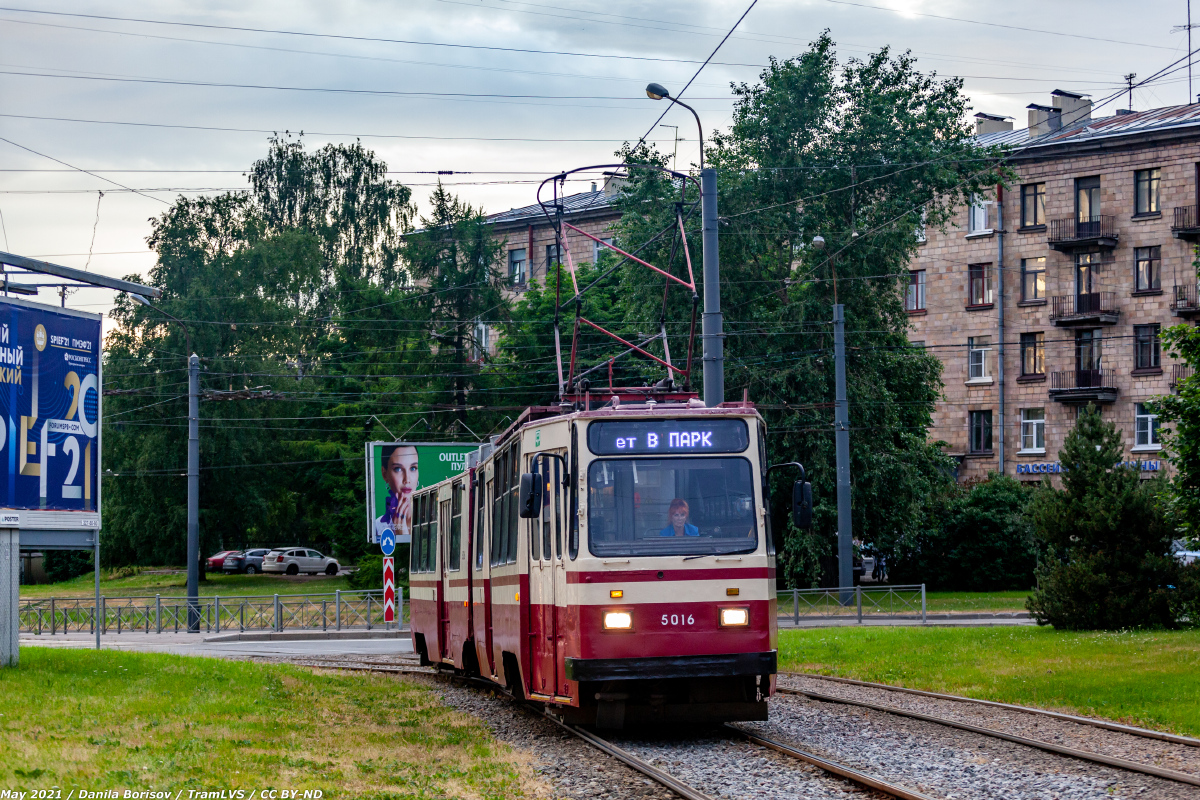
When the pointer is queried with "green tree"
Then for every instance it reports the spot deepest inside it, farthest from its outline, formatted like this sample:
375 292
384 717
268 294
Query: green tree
1107 562
859 153
1181 414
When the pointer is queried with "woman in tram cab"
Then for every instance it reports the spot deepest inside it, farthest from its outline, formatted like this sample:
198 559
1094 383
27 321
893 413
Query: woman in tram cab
678 516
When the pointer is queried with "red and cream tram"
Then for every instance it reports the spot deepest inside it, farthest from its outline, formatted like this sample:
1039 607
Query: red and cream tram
615 564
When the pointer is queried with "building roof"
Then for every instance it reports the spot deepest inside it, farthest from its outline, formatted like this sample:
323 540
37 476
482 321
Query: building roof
572 204
1157 119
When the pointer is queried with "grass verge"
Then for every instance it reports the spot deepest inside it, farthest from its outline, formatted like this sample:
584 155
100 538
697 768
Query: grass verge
940 602
1150 679
176 584
80 719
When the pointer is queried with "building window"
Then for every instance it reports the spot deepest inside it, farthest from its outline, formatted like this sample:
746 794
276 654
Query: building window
1146 182
1033 204
921 227
1088 352
1147 268
979 284
553 256
914 298
977 215
977 360
1087 199
480 343
1033 278
599 249
1146 354
1033 354
1147 426
1033 429
516 267
981 431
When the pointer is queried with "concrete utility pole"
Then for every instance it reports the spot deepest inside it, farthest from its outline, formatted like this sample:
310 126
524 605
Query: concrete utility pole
193 490
842 445
712 334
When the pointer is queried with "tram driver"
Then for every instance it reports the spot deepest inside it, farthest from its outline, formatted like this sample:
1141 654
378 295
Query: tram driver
678 524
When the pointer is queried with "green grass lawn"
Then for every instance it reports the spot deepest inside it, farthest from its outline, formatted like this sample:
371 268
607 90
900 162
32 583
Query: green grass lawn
81 719
975 601
1142 678
176 584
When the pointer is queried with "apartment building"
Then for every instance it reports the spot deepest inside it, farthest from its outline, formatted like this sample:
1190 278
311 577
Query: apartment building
1053 293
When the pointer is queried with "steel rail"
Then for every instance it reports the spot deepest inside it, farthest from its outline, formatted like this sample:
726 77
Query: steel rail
833 767
1083 755
1096 723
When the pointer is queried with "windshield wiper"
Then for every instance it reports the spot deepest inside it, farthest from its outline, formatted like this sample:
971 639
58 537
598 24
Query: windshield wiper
702 555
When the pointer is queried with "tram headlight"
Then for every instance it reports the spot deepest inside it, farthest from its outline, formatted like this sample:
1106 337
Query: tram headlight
618 620
734 617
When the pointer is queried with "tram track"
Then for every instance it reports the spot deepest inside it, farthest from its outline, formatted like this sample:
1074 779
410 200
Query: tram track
1070 752
663 778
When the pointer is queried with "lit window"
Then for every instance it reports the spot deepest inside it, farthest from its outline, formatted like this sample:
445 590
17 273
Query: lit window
1033 204
1033 278
1033 429
1147 268
1033 354
979 284
1147 426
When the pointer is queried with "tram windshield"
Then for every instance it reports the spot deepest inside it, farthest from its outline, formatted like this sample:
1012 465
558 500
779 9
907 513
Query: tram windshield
671 506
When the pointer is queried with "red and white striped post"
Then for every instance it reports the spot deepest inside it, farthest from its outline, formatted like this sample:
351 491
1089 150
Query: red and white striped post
389 589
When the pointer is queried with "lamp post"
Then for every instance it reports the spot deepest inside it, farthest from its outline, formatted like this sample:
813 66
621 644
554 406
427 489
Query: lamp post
711 335
841 425
193 473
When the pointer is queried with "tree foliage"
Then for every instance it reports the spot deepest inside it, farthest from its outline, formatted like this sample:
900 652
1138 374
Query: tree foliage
1107 562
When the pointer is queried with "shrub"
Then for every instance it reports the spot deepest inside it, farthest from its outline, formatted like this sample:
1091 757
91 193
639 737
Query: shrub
369 574
62 565
1107 544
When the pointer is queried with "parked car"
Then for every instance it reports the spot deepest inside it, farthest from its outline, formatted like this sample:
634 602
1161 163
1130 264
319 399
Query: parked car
294 560
247 561
216 561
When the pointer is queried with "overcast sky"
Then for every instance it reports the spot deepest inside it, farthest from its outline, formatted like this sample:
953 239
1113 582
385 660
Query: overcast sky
565 83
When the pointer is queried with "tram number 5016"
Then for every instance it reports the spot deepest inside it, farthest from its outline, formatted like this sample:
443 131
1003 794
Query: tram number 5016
678 619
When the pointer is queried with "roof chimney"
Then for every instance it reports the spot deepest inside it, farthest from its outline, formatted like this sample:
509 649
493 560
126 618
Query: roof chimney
1043 119
990 123
1075 107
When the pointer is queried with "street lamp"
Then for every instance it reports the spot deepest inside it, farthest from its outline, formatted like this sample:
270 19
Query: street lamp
656 91
193 474
711 335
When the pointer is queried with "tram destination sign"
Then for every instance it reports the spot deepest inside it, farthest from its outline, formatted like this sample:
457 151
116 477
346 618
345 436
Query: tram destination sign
668 436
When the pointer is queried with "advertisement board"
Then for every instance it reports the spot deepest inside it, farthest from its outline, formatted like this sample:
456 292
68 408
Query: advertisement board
50 396
397 469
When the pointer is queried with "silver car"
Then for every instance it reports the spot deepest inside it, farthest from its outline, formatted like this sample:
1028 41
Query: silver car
247 561
294 560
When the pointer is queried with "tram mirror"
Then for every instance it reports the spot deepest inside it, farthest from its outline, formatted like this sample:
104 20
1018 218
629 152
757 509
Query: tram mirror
802 505
531 496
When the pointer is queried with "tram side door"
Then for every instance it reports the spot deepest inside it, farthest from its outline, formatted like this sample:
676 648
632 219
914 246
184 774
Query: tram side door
443 594
557 508
541 593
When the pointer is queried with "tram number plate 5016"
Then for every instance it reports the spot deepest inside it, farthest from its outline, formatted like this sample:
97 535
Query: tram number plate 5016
678 619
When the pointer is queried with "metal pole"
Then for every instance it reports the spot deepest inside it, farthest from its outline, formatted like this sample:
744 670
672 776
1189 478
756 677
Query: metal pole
96 576
277 626
337 608
193 491
858 598
368 611
10 597
1000 319
714 345
158 613
217 612
53 618
842 446
796 607
923 617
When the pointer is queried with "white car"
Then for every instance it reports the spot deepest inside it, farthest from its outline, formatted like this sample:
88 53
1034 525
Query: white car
294 560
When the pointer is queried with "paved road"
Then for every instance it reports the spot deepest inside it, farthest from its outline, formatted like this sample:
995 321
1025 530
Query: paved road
195 645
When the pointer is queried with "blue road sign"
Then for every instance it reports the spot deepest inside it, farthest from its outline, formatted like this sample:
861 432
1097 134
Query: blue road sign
387 542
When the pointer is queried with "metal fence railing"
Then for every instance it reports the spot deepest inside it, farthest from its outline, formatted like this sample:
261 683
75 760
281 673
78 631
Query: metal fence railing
860 602
157 614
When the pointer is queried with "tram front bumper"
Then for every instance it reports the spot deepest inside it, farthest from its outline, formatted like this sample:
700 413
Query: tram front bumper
667 667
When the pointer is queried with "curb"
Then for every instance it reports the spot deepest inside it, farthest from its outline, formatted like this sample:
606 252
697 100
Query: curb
304 636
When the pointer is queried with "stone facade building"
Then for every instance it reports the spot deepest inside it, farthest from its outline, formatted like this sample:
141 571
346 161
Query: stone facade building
1052 293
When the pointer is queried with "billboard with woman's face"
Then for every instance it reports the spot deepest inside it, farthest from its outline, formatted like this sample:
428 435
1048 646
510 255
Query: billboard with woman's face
397 469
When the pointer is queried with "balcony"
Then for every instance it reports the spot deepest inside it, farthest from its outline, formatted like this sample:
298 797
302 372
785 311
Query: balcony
1184 302
1186 224
1093 308
1071 234
1179 372
1083 386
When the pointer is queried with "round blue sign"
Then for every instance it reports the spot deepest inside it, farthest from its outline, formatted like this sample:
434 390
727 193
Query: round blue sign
387 542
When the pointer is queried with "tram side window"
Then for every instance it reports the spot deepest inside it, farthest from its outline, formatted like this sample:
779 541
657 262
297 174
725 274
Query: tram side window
455 526
535 536
498 481
414 561
418 560
514 521
431 535
572 516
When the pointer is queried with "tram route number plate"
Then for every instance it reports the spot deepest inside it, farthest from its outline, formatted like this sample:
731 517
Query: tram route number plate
675 620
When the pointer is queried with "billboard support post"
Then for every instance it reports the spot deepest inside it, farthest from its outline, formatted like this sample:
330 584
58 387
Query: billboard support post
9 596
193 492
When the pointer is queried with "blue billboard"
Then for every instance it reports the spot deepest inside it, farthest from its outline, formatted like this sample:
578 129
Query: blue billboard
49 408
